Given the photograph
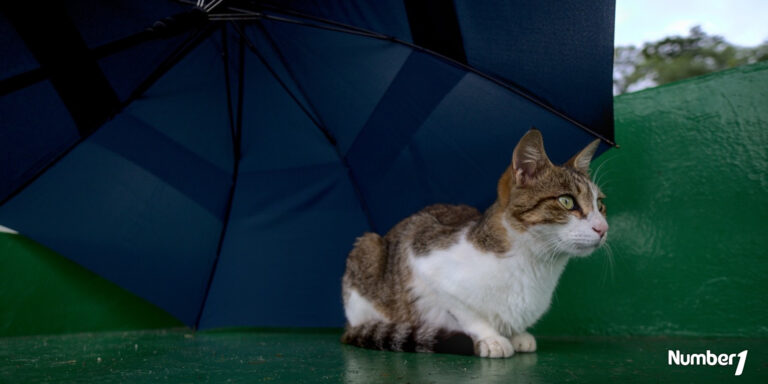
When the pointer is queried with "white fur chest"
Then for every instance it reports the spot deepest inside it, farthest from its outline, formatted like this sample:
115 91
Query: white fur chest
509 293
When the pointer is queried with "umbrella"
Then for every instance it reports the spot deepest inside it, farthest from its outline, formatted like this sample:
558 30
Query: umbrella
218 158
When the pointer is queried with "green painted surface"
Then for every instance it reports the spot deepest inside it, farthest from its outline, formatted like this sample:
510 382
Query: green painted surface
687 203
41 292
688 208
312 357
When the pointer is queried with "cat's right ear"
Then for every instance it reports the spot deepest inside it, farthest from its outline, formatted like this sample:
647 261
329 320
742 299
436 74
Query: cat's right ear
529 157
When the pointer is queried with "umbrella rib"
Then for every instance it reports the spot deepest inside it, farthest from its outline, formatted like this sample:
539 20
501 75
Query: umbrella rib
345 28
262 59
212 5
33 76
22 80
179 53
236 124
225 57
510 86
310 107
355 185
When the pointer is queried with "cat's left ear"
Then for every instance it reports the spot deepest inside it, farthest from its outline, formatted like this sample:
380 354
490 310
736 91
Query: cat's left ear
581 160
529 157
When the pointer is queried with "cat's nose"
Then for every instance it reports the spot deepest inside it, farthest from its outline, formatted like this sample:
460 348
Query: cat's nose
600 228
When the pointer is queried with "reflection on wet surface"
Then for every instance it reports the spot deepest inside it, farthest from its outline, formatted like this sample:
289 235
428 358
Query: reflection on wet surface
363 367
317 356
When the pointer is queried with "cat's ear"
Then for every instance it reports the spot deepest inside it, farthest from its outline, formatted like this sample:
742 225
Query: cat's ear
581 160
529 158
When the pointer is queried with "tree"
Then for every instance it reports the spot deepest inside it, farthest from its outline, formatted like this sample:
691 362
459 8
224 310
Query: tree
678 57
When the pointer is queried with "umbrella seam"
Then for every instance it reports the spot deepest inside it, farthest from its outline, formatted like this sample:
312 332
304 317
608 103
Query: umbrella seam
320 123
344 28
331 140
177 55
236 149
508 85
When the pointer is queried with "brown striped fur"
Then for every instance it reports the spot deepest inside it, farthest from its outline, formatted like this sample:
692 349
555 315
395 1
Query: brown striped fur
378 269
403 337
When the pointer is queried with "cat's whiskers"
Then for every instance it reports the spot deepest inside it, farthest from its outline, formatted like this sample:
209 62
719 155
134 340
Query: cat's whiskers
550 251
597 179
609 256
603 185
596 176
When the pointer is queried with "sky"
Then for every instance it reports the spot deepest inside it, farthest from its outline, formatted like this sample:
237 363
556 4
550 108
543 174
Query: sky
741 22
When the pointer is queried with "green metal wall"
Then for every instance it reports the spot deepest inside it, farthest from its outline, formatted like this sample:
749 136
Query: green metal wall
42 292
687 204
688 208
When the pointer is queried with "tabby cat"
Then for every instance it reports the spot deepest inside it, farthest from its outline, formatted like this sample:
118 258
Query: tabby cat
450 279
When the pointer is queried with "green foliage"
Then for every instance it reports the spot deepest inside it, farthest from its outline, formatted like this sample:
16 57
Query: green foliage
678 57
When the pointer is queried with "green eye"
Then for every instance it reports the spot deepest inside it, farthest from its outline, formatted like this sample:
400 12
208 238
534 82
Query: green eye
566 201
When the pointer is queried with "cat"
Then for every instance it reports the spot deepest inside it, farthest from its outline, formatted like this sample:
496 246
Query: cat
450 279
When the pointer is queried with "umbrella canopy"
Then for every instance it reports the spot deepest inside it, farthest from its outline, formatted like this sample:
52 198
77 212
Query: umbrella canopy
221 162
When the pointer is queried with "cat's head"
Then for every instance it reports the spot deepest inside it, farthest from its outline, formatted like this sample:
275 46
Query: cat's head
559 205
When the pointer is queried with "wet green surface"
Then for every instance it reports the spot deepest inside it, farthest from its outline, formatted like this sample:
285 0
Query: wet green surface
179 356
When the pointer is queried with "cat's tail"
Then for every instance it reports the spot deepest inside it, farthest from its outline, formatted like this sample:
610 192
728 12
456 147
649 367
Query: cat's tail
407 338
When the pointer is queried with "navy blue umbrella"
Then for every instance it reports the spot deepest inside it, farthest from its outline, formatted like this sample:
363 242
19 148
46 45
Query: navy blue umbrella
218 158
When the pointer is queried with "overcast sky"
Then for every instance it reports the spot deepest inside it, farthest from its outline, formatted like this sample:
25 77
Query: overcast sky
741 22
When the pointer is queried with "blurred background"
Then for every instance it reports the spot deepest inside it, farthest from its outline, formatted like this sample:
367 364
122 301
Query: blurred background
659 42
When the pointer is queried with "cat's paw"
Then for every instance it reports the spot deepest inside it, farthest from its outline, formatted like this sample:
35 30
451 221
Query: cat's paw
494 347
524 342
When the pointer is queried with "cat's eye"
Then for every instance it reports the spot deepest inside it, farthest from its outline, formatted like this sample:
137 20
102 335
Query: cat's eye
600 205
566 201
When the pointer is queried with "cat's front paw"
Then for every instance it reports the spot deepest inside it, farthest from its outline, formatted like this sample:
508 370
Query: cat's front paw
494 347
524 342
